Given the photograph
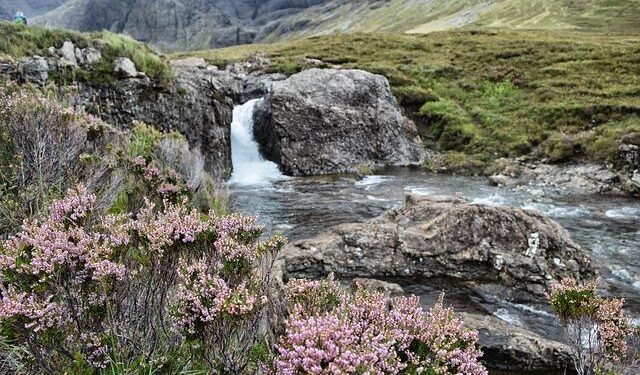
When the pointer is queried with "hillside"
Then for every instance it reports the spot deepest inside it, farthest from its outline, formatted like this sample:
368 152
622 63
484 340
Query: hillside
479 95
179 25
30 7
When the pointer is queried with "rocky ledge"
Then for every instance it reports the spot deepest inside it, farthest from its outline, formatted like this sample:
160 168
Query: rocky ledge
326 121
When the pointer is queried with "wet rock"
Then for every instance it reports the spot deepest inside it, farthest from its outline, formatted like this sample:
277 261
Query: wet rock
577 178
502 180
68 54
125 68
34 69
325 121
443 237
510 348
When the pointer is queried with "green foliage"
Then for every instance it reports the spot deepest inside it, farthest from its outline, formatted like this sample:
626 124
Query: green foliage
18 41
489 93
574 303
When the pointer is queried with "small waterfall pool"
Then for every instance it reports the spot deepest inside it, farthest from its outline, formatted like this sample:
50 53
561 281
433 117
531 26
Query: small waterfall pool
607 227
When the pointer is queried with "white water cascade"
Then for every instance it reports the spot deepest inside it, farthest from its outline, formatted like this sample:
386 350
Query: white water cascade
249 167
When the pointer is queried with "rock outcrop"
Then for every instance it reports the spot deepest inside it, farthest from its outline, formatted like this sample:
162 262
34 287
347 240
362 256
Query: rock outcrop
196 102
514 253
325 121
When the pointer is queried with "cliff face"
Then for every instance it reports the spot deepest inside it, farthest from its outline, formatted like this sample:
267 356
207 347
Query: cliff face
178 24
31 8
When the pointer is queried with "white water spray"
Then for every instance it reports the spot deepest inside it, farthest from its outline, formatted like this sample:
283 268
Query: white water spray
249 167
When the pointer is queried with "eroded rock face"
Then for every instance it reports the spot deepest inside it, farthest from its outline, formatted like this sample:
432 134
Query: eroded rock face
516 253
194 104
325 121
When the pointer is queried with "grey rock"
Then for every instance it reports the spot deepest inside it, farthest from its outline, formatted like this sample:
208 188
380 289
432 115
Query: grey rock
325 121
91 55
79 56
502 180
442 237
34 69
195 104
575 179
630 155
68 53
125 68
510 348
389 289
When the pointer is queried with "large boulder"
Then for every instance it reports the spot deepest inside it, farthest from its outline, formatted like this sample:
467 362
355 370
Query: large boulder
325 121
510 252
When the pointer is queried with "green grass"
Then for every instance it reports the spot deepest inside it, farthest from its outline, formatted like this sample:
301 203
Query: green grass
19 41
490 93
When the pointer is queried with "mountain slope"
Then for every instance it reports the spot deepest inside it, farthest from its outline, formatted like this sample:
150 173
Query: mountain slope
31 8
197 24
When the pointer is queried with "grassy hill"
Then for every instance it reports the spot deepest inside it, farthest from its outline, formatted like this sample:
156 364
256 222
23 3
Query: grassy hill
480 95
419 16
18 41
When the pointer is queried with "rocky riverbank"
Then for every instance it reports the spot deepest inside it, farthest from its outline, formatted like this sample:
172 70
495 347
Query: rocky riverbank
497 251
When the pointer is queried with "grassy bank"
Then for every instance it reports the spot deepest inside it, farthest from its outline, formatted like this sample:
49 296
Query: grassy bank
479 95
19 41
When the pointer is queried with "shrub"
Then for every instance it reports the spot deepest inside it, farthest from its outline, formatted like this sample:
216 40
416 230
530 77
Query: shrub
331 331
599 333
131 290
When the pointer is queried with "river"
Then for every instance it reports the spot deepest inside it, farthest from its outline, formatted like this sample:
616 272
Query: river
607 227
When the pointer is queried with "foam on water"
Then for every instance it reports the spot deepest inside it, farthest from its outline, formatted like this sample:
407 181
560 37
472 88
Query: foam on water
508 316
629 213
556 211
493 200
249 167
372 180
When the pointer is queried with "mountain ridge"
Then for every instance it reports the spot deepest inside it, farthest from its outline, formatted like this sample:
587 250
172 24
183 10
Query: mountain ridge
171 25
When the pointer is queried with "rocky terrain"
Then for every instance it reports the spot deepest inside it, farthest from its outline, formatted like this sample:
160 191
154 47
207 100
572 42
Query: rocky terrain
497 250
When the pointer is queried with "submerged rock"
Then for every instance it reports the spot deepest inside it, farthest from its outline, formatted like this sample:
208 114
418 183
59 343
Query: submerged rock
516 253
325 121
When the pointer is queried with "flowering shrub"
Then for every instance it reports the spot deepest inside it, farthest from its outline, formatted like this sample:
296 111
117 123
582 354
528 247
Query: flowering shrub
125 289
600 334
334 332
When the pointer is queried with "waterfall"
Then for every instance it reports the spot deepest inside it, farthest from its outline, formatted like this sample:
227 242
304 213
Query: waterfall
249 167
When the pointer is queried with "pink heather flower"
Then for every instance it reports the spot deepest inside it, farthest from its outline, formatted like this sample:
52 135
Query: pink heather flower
366 332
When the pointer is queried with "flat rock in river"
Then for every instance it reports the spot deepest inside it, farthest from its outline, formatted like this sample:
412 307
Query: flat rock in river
513 252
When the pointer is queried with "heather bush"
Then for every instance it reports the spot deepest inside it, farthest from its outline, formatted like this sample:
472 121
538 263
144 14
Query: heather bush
44 149
601 336
330 331
162 288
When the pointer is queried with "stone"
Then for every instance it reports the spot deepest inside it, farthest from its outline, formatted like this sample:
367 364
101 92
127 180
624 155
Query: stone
510 348
327 121
387 288
91 55
34 69
502 180
630 155
79 56
443 237
68 53
125 68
